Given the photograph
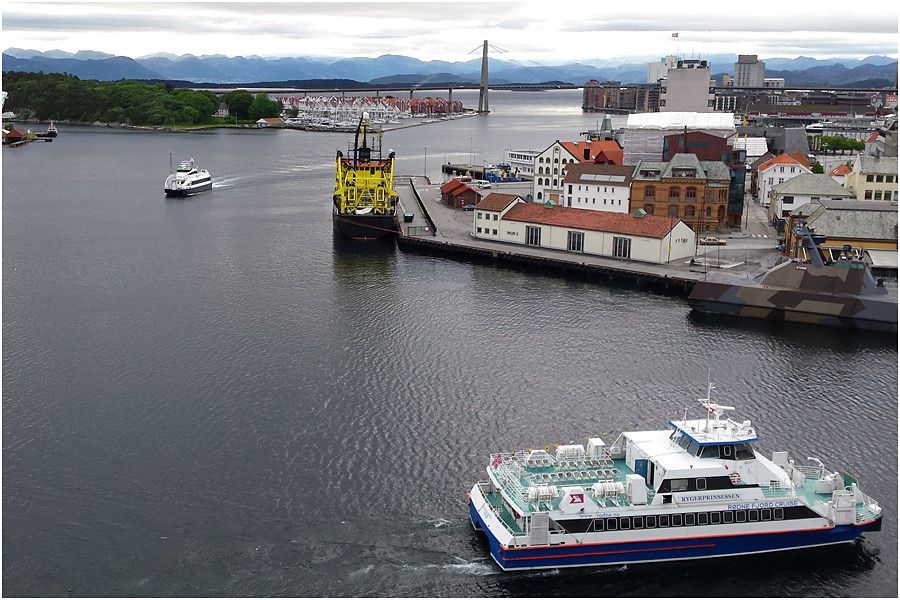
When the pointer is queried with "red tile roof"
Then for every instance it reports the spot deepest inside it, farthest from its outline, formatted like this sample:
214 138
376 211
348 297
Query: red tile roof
782 159
593 220
496 201
801 158
451 185
873 137
610 149
840 170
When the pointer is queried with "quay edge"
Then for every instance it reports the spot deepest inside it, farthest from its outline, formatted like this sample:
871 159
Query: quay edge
671 286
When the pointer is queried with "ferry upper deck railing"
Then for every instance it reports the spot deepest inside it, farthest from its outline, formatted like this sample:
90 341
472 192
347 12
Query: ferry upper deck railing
865 512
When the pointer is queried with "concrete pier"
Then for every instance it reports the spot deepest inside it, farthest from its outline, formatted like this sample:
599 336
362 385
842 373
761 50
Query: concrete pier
437 229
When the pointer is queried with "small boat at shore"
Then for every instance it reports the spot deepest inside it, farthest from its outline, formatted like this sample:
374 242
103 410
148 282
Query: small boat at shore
696 490
50 133
187 179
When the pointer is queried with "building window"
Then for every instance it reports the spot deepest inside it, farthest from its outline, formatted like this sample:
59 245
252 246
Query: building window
708 212
478 230
877 195
673 210
690 193
870 178
570 188
689 211
649 192
532 235
576 241
879 179
674 194
496 217
868 195
494 231
540 195
622 248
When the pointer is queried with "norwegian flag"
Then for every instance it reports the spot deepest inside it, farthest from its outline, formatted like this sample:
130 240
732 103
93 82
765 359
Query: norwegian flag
497 460
576 499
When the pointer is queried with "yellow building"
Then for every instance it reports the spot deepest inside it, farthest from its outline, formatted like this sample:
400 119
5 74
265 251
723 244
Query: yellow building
873 178
867 225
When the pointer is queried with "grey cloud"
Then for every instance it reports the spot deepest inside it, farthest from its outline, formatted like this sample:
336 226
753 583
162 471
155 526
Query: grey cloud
839 24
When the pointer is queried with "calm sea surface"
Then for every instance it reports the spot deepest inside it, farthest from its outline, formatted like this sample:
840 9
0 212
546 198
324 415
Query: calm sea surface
211 397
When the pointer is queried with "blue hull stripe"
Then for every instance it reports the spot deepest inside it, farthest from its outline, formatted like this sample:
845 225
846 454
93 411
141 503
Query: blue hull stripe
660 550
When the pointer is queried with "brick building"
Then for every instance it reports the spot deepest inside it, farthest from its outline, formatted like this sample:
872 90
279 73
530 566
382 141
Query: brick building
694 190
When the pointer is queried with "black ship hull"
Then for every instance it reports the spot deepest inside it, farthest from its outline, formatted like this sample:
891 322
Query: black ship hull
364 227
189 191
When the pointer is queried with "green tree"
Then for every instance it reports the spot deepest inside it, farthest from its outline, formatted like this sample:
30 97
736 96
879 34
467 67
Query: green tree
238 103
817 167
262 107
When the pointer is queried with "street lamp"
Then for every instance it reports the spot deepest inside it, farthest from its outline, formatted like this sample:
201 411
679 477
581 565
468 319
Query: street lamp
425 168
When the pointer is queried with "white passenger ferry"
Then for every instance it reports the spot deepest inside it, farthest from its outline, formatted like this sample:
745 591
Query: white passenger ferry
187 179
696 490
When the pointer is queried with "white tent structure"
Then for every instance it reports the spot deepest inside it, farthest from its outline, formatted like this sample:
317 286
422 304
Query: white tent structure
645 132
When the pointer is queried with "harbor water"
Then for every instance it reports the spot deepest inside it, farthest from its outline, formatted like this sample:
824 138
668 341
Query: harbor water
213 397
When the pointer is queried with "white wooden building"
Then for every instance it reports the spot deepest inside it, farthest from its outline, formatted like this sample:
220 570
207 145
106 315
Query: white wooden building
598 187
648 238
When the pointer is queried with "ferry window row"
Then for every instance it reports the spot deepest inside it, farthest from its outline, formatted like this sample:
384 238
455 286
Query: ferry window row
725 517
726 451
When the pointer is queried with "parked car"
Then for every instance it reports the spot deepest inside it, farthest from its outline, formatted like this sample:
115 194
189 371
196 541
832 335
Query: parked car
712 241
481 183
468 207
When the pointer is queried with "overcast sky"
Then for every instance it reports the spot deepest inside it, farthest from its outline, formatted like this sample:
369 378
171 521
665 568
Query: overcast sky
544 32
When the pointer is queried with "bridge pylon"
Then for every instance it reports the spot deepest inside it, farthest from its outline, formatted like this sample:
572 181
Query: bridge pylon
483 106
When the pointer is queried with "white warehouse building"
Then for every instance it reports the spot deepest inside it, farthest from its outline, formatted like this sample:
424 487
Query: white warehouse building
647 238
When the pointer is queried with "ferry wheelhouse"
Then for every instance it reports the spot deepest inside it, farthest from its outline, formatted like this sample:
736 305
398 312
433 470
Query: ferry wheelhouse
696 490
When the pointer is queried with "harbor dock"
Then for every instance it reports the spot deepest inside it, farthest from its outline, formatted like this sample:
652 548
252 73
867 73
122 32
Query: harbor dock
438 229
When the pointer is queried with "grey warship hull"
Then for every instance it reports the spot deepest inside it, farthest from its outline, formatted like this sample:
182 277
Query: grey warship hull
800 306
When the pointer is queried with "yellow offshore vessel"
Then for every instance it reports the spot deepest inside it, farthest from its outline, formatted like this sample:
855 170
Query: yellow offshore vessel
365 203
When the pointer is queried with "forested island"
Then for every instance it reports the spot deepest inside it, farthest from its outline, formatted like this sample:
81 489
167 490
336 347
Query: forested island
63 97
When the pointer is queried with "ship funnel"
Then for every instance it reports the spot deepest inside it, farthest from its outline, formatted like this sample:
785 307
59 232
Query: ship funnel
365 115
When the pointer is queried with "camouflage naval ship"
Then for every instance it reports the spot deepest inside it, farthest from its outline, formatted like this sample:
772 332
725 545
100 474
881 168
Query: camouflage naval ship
806 289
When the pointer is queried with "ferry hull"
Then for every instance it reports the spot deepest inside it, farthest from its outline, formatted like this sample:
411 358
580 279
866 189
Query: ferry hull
190 192
364 227
659 550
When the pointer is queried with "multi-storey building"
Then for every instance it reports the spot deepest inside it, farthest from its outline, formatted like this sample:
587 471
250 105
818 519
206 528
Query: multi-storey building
714 148
684 187
594 186
803 189
778 170
593 97
749 71
687 88
873 178
658 70
551 164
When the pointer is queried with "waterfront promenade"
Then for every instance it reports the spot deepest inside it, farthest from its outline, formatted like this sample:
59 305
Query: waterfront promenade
447 231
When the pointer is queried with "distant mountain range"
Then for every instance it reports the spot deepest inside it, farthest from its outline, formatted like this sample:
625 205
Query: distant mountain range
393 69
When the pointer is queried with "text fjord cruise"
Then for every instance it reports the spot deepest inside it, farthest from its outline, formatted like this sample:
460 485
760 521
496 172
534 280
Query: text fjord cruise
699 490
